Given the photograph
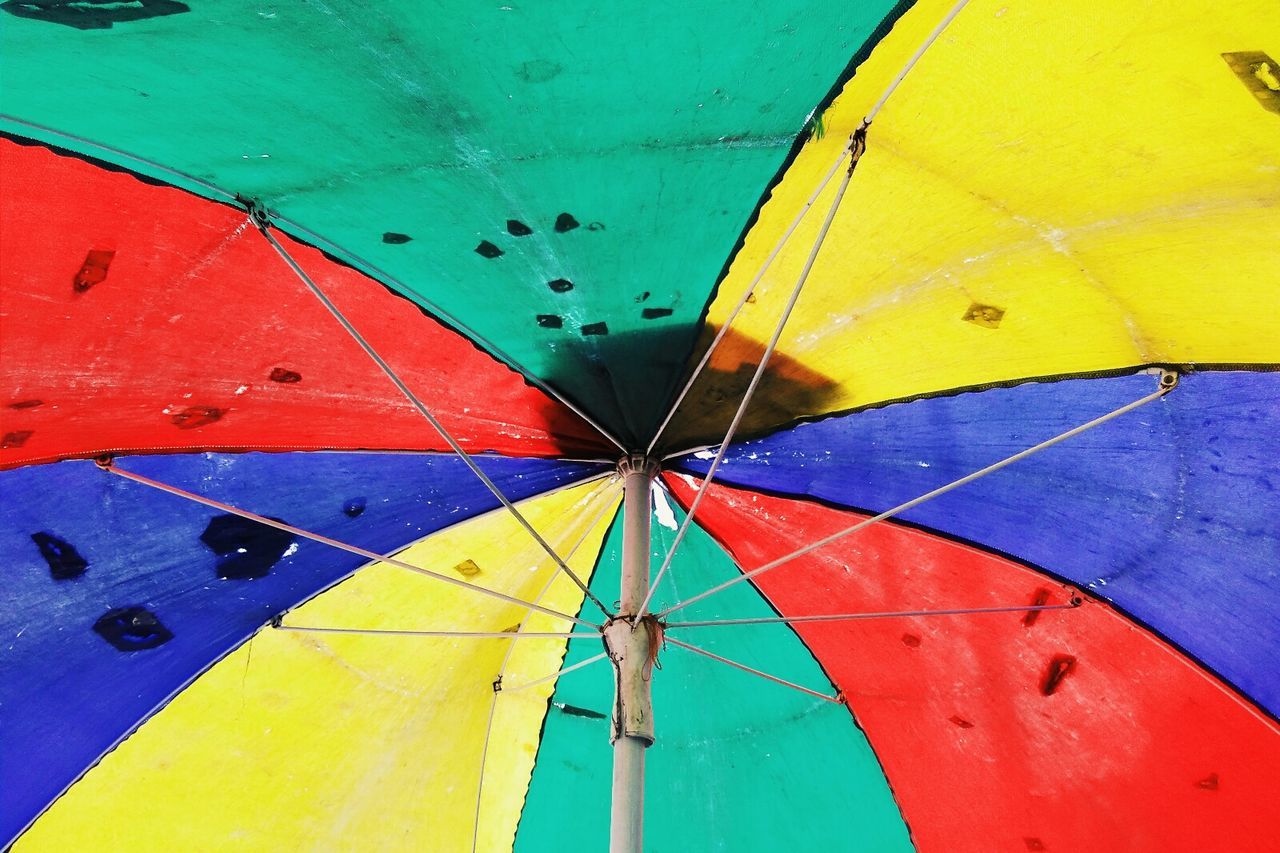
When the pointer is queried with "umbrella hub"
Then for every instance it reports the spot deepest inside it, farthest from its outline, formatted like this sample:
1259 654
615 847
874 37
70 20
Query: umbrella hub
637 464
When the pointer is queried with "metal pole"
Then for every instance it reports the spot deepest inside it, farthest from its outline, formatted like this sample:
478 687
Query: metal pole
629 643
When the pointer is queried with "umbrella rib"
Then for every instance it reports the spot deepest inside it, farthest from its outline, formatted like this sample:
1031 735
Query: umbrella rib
506 660
260 219
848 617
1168 381
557 674
795 223
476 635
911 63
857 145
109 466
742 666
742 301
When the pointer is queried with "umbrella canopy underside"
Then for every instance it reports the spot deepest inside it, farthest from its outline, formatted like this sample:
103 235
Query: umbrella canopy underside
539 218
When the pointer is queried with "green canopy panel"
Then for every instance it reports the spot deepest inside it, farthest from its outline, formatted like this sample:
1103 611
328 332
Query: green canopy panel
484 156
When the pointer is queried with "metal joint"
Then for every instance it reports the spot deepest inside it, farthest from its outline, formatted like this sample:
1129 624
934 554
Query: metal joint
653 626
858 145
257 211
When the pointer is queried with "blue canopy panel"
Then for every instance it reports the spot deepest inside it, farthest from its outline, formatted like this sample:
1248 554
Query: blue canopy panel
1172 511
121 595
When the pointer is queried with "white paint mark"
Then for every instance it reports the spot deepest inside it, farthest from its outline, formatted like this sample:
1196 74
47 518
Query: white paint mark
688 480
662 510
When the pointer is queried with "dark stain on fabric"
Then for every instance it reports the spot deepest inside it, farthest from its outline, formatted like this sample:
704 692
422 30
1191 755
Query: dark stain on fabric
395 238
655 313
516 228
788 386
64 560
987 316
354 507
467 568
17 438
575 711
132 629
245 549
285 376
560 285
1038 600
197 416
911 641
1034 843
960 721
642 297
92 14
538 70
1208 783
595 329
566 222
550 321
1260 75
488 250
19 405
1059 668
93 270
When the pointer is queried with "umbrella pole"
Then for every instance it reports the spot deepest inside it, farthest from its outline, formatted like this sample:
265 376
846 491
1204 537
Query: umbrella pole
629 644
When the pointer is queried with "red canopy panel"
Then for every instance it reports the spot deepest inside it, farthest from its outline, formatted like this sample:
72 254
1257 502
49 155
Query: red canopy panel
139 318
1054 730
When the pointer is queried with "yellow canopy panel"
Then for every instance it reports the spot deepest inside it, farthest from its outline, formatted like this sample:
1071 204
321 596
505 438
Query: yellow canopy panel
297 739
1045 194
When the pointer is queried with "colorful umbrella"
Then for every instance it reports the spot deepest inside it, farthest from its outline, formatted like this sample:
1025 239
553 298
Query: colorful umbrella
366 366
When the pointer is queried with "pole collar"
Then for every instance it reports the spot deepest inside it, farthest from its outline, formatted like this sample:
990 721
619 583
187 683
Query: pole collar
638 463
633 650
